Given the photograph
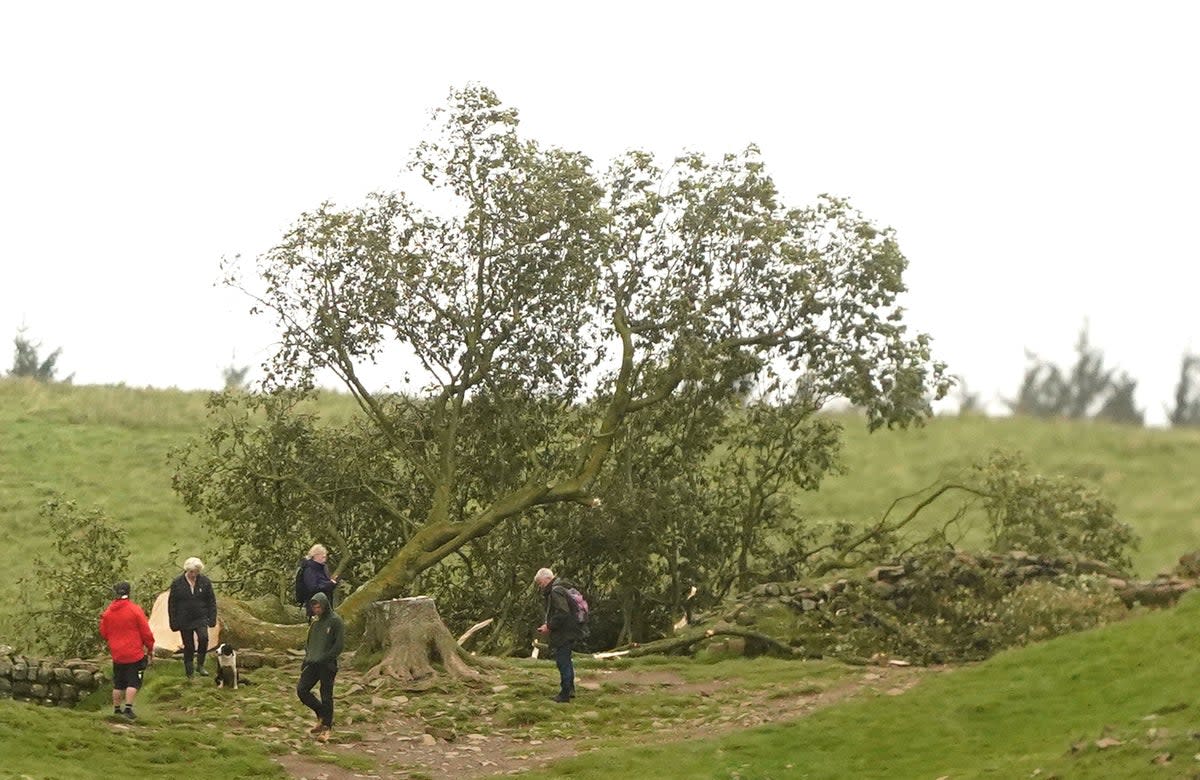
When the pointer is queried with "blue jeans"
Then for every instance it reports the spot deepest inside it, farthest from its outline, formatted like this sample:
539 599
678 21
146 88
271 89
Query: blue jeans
566 670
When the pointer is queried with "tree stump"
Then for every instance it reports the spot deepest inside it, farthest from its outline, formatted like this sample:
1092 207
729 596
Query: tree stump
411 635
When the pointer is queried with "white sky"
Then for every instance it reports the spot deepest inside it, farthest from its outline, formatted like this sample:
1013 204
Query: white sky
1039 160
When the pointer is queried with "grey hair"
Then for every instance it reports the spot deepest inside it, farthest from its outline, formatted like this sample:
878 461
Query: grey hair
193 564
316 549
543 574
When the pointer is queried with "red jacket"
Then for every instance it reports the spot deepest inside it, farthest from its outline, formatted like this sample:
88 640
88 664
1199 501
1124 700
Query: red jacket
124 626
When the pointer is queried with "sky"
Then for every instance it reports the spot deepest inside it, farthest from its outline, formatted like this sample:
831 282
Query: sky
1038 160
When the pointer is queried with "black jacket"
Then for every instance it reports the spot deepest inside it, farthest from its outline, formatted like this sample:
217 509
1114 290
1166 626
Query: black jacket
316 580
560 614
189 609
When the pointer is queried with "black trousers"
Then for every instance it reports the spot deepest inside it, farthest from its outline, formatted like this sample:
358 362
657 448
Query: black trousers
310 675
195 645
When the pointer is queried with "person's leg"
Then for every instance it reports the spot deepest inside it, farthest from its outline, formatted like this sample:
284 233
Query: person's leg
189 650
118 692
130 693
309 676
566 672
201 648
328 673
570 648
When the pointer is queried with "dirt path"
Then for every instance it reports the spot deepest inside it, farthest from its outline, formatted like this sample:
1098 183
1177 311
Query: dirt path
398 746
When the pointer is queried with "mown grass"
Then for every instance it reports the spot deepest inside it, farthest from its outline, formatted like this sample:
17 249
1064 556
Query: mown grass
1033 712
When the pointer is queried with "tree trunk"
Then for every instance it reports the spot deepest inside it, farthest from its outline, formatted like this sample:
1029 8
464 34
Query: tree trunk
241 628
683 644
411 635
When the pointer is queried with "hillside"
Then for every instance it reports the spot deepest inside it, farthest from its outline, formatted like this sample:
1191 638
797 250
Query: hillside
1118 701
107 446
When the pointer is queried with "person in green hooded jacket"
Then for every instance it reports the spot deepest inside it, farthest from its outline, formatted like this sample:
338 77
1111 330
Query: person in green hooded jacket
326 635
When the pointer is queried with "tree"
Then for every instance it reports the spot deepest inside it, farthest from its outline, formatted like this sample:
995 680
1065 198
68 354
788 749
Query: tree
75 581
234 378
27 362
1088 389
1186 411
537 284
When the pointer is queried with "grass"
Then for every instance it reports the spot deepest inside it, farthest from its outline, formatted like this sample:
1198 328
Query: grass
1033 712
1148 473
41 742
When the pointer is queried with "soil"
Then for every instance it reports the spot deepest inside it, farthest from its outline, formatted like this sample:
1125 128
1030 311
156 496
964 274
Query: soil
399 747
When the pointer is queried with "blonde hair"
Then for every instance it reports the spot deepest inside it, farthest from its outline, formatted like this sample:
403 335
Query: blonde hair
316 549
543 574
193 564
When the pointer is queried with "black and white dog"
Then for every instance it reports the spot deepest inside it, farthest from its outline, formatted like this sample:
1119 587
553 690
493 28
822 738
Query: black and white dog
227 671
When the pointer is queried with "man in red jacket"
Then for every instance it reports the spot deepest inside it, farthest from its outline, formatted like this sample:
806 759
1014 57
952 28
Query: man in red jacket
131 644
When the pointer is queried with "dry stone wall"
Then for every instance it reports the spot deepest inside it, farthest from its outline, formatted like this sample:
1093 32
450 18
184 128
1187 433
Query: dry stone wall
47 680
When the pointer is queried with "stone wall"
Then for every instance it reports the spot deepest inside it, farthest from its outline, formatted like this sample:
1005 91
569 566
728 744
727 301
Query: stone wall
47 680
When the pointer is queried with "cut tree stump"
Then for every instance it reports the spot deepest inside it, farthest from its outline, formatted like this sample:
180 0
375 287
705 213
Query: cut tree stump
411 635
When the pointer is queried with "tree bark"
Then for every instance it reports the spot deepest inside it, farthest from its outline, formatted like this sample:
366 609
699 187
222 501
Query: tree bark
680 644
241 628
411 636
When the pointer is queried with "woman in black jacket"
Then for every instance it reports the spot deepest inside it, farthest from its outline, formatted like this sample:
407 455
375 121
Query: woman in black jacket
192 610
315 577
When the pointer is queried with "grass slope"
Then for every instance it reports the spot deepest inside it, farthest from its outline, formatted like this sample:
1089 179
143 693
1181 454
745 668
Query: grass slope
1042 707
107 446
1148 473
43 742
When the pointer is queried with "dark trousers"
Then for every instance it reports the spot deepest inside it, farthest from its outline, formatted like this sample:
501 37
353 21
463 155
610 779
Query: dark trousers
310 675
566 669
195 645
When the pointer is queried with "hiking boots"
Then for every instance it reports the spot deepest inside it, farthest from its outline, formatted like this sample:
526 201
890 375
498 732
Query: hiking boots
129 714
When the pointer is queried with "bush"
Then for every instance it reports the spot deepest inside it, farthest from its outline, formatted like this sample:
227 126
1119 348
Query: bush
75 581
1043 609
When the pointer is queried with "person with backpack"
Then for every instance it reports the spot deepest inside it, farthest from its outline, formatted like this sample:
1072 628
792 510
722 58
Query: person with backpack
131 645
565 614
192 610
312 577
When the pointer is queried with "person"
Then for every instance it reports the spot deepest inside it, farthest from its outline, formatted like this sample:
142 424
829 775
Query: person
561 628
192 610
131 645
326 636
315 577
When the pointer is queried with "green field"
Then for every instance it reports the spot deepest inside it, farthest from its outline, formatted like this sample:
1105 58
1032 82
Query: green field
107 446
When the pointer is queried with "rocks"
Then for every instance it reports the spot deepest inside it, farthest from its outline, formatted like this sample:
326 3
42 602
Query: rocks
47 680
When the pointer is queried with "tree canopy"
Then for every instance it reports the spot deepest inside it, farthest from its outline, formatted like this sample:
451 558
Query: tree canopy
548 306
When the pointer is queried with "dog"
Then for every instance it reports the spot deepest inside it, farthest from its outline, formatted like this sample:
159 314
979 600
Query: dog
227 671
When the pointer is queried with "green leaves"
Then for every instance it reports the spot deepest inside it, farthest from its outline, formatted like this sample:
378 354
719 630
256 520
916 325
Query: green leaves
548 308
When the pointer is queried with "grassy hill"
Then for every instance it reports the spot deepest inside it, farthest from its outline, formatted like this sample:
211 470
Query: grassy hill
107 446
1039 711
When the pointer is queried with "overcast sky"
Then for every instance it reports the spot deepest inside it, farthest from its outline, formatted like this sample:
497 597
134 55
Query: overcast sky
1039 160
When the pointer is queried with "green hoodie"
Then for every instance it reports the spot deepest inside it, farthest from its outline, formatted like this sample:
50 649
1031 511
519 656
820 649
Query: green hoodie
326 634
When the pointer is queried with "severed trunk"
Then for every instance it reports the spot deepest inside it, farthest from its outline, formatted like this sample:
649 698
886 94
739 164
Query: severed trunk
410 634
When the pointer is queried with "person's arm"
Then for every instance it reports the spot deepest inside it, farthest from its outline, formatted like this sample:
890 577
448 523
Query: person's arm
560 611
211 605
104 626
172 608
337 640
146 633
